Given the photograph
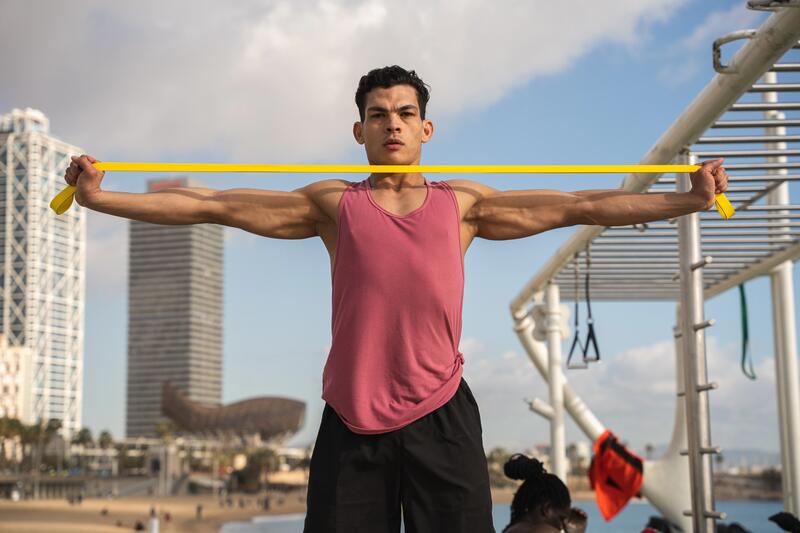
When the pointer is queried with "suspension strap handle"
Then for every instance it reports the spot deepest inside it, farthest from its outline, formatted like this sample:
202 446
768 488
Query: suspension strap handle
576 341
591 338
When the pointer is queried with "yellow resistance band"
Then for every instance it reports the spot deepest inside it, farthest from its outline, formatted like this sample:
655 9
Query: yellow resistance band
63 200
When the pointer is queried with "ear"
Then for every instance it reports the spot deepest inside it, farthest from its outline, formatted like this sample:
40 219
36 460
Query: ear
427 130
358 132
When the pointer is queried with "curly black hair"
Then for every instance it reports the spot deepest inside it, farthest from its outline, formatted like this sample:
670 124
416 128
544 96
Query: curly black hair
386 77
537 488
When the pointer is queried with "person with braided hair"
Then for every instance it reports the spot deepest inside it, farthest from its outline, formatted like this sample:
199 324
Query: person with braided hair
542 503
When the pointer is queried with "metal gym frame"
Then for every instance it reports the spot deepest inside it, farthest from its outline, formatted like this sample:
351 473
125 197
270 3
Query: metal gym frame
693 258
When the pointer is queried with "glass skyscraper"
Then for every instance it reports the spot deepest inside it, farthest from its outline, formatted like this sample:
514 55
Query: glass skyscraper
42 267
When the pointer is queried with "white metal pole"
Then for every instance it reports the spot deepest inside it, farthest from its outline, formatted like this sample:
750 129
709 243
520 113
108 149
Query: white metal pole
573 404
695 372
558 453
785 337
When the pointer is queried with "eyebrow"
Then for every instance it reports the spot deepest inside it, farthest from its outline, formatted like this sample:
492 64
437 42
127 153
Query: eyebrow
402 108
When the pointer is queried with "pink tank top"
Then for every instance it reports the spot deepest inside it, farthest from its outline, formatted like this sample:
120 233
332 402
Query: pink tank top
398 290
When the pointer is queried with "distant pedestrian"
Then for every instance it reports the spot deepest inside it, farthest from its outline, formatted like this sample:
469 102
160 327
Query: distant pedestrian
153 520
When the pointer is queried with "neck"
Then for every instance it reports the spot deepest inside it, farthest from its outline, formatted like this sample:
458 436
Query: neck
396 181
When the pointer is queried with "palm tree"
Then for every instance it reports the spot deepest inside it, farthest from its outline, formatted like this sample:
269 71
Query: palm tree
83 438
105 440
29 437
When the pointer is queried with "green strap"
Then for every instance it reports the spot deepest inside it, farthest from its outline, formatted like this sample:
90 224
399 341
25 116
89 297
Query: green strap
747 362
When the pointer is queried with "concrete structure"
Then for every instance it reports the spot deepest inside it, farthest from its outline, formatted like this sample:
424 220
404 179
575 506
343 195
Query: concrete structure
15 382
174 315
42 266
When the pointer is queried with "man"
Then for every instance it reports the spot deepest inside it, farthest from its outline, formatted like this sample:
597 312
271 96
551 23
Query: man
400 428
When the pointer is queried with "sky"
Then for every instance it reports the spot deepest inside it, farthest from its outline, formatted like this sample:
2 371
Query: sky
517 82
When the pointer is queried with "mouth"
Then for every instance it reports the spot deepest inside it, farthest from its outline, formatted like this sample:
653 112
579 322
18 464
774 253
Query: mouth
393 143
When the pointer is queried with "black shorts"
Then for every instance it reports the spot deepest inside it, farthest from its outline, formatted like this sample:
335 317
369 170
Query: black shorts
434 469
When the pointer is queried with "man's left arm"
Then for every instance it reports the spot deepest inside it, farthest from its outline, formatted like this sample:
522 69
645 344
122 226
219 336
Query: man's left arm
502 215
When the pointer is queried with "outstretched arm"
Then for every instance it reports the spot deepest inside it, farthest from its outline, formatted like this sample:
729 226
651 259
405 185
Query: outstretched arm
504 215
284 215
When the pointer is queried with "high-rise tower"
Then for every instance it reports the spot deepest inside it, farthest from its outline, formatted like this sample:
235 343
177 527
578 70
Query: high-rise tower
42 268
174 314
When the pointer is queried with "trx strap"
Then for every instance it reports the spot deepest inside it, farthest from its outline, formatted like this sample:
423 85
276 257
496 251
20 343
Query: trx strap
576 341
591 339
747 363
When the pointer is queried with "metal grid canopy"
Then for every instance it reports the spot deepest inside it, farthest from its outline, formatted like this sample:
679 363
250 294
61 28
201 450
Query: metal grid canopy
642 262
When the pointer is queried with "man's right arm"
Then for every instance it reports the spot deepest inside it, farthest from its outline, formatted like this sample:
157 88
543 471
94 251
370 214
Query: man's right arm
282 215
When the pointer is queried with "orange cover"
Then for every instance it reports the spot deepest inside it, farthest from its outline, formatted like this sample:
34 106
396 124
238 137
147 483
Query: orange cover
615 474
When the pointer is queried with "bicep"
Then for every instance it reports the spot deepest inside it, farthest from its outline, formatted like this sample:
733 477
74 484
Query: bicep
276 214
507 215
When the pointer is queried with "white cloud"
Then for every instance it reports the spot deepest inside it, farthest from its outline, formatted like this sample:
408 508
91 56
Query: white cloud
684 64
632 392
274 80
500 384
718 23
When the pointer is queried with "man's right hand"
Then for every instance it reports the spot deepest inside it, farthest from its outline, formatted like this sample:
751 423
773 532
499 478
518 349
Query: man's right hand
84 177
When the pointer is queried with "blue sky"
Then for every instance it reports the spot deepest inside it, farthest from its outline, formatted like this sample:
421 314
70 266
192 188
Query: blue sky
524 83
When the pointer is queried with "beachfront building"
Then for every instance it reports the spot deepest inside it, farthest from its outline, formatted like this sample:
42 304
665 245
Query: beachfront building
42 272
15 383
174 315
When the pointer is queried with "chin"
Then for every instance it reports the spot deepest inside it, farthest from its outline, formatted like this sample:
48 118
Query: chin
389 160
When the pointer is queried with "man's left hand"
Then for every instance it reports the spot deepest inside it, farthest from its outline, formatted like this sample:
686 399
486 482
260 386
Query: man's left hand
709 180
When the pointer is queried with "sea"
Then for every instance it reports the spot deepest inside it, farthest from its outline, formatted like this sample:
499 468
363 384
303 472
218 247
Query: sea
752 515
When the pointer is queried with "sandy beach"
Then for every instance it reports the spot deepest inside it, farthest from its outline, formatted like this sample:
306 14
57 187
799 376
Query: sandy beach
58 516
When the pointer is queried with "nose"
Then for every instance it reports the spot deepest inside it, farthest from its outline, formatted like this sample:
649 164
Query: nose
393 123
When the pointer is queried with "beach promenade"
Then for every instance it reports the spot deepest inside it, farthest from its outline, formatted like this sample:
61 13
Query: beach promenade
58 516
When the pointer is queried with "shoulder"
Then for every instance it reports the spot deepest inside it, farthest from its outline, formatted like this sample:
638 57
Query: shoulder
326 194
326 191
323 187
468 185
520 527
469 193
462 186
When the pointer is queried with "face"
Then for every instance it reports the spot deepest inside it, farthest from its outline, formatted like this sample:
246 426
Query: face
554 516
393 130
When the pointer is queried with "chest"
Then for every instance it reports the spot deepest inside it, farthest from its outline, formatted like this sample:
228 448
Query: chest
400 203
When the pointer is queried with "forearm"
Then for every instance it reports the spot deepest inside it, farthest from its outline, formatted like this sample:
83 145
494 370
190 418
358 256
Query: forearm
620 208
169 206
